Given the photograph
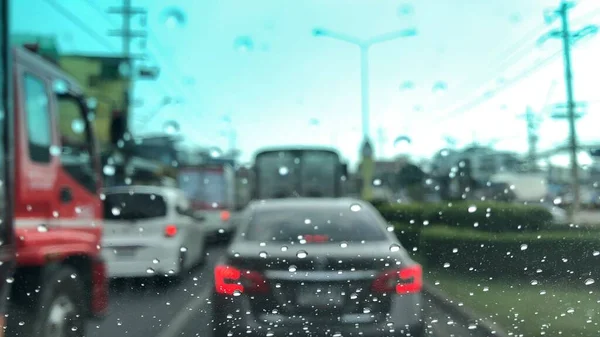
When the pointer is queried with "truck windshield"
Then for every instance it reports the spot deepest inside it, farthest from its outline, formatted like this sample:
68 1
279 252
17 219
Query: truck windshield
205 188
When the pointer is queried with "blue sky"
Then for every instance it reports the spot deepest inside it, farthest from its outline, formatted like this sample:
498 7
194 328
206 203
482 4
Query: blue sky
288 77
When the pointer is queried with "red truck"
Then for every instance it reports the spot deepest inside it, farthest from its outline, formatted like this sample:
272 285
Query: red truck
7 246
60 280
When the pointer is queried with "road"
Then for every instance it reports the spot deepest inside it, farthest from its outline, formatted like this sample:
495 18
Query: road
141 309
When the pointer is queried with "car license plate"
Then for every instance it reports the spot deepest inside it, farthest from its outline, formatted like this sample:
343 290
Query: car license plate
124 252
320 296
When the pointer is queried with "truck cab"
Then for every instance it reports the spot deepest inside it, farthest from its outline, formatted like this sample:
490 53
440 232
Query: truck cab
57 205
7 247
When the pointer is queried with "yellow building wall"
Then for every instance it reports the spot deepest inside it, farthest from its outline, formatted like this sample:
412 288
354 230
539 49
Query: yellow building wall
109 93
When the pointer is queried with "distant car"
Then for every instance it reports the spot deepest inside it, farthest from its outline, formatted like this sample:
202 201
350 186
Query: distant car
150 231
323 266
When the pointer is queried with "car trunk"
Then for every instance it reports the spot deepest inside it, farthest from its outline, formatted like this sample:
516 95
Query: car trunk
131 219
329 282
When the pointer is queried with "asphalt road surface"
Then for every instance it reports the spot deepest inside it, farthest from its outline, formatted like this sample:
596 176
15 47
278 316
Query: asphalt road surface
139 308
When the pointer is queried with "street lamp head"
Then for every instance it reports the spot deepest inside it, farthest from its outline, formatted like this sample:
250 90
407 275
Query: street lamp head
318 32
410 32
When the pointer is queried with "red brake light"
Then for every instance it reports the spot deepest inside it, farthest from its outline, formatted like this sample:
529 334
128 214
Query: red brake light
225 215
229 280
316 238
408 280
170 231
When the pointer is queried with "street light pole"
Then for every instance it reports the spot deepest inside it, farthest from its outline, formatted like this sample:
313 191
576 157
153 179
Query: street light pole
364 93
364 46
367 165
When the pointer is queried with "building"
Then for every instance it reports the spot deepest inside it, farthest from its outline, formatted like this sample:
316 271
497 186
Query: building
101 78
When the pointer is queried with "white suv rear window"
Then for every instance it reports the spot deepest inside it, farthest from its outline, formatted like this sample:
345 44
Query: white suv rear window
134 206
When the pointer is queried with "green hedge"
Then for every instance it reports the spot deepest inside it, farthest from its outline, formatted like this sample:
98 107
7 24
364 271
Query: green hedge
572 255
485 216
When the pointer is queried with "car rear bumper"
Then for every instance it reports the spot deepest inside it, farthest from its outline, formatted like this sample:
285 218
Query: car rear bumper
150 260
230 315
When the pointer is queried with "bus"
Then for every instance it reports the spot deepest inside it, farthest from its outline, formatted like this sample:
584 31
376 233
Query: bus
209 184
298 172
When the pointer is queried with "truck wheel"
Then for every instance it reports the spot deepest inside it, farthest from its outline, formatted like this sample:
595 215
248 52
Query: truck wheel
60 310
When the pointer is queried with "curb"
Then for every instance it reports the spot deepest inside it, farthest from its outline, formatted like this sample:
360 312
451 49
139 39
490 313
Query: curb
444 301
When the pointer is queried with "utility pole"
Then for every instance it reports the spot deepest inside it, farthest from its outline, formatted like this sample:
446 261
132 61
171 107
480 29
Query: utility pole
126 34
568 38
532 121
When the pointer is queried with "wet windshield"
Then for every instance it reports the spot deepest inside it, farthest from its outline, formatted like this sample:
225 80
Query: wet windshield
297 168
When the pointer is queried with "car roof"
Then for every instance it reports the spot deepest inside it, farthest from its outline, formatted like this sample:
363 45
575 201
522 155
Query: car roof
304 203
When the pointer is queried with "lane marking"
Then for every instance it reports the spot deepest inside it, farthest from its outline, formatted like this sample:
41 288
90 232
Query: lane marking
191 308
185 314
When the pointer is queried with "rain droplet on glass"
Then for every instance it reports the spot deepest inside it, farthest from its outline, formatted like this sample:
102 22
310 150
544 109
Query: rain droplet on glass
243 44
355 208
171 127
301 254
394 247
283 171
173 17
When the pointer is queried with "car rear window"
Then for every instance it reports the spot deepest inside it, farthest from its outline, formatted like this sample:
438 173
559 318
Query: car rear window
134 206
314 225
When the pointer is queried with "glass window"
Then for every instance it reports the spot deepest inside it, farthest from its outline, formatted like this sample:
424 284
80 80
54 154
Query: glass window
207 186
134 206
331 225
76 157
39 128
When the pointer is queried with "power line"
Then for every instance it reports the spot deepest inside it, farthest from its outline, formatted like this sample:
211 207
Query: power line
486 97
511 58
80 24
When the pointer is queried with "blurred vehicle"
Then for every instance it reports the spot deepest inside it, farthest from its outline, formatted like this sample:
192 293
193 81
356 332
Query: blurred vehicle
524 186
151 230
210 186
317 266
7 235
60 281
298 172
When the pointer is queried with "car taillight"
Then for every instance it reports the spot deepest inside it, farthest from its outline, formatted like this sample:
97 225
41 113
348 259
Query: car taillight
170 231
225 215
231 281
407 280
316 238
